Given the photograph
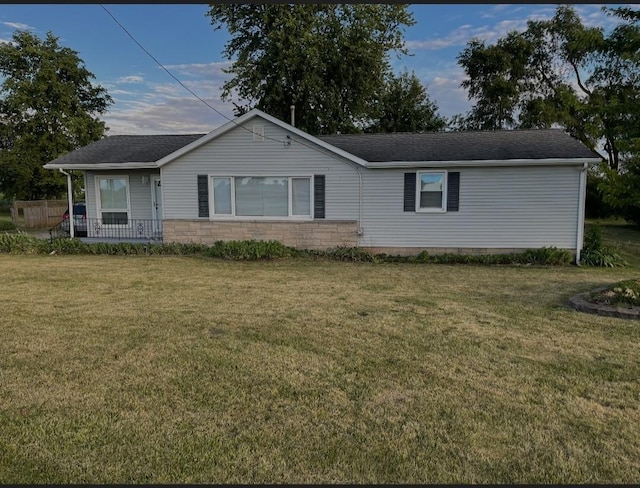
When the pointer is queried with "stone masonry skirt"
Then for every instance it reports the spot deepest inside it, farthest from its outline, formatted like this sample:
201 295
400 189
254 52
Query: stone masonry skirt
302 235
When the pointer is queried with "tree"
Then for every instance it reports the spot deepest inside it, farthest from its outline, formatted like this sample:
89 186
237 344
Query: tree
404 106
328 60
48 106
559 71
494 74
621 190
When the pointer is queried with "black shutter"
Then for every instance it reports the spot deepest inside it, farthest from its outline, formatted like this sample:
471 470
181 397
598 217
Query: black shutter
409 192
453 191
203 196
318 197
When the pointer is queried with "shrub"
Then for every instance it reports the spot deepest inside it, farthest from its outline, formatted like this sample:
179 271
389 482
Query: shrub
263 250
69 246
353 254
249 250
21 243
6 225
546 255
595 253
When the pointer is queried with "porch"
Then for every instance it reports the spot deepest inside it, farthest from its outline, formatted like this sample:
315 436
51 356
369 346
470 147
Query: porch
91 230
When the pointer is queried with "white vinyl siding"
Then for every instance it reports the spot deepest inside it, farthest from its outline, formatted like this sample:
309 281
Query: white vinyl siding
512 207
234 154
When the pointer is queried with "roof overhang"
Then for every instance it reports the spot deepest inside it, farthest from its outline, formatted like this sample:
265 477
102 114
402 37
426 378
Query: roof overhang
484 163
92 166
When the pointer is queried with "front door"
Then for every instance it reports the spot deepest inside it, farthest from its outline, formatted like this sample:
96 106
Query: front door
156 203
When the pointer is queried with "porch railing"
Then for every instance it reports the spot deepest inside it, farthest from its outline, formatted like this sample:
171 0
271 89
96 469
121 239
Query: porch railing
147 229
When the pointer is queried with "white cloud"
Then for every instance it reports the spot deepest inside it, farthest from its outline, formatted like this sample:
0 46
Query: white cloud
17 25
210 71
443 87
591 15
167 108
463 34
487 32
132 79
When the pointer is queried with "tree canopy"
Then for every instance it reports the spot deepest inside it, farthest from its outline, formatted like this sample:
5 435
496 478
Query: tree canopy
330 61
559 71
404 106
48 106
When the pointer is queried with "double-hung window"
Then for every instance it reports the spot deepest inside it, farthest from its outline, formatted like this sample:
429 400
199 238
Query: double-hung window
261 196
431 191
113 199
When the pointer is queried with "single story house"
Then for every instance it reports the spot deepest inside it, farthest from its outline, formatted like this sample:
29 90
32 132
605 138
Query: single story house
257 177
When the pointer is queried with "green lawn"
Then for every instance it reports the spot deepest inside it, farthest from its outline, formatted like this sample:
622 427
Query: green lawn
193 370
5 215
622 233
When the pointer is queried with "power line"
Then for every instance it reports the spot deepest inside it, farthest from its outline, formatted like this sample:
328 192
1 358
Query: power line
180 82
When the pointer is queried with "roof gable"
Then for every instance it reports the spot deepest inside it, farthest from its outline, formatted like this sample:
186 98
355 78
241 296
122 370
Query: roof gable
299 136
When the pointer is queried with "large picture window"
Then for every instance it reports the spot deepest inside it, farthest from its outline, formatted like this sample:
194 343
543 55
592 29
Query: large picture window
261 196
113 199
431 191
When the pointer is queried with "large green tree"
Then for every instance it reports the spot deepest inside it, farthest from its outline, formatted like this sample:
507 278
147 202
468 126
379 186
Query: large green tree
48 106
404 106
330 61
559 71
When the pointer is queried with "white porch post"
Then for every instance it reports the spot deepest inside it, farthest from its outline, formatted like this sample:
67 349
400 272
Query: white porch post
70 200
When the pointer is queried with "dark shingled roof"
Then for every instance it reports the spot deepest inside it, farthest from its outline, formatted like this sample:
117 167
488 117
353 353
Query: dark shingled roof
127 149
462 146
435 146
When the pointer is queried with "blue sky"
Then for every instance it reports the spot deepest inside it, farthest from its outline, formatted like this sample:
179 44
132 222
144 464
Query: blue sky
149 101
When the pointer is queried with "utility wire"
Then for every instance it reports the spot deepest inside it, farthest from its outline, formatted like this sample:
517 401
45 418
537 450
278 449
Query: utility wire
182 84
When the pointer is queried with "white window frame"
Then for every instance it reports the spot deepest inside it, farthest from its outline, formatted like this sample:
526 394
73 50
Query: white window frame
99 208
443 207
233 216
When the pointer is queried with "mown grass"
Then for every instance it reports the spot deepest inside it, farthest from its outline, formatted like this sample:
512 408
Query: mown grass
189 370
621 233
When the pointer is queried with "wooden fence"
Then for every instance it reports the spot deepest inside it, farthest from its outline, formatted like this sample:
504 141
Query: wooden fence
38 214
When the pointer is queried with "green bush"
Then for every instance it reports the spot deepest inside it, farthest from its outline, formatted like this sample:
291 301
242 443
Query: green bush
595 253
353 254
69 246
546 256
22 243
6 225
249 250
264 250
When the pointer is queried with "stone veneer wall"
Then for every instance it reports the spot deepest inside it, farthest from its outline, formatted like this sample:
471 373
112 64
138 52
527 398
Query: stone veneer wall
303 235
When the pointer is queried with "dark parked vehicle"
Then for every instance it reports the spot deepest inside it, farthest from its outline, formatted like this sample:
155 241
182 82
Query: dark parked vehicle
79 220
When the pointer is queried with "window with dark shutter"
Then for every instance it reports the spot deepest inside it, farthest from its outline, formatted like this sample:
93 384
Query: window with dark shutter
318 197
203 196
409 192
453 191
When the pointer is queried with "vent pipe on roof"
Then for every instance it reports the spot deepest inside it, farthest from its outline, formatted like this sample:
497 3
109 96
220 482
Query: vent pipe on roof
293 115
